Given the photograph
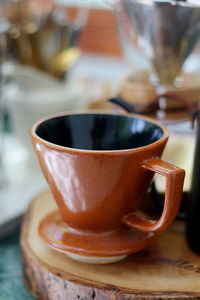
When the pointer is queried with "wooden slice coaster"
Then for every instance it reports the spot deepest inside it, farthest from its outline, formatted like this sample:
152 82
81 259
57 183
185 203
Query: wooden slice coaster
165 270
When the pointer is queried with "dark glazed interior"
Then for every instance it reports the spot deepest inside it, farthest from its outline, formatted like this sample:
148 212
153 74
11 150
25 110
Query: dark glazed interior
99 131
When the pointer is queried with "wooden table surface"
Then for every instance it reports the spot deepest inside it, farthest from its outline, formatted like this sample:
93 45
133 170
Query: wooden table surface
167 269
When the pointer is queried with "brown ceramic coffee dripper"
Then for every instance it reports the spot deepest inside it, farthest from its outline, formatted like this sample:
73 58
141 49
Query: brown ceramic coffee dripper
99 167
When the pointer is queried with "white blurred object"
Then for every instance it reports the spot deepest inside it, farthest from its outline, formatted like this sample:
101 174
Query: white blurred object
22 184
100 4
180 152
32 95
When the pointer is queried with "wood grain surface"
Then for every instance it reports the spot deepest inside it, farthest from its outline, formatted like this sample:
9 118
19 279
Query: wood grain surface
165 270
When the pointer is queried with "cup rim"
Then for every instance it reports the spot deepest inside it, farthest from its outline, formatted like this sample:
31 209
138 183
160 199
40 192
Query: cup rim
34 135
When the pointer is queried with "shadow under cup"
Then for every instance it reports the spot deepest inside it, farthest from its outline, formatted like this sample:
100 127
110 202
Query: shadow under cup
99 167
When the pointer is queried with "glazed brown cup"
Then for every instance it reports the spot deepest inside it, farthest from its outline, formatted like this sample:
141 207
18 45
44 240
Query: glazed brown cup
100 165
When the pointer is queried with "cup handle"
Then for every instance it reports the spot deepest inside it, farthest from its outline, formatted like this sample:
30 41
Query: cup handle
174 186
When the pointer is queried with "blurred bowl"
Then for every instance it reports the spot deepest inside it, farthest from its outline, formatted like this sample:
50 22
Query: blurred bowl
137 89
33 95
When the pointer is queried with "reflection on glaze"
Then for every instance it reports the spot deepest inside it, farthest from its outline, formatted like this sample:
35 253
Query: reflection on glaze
65 179
73 178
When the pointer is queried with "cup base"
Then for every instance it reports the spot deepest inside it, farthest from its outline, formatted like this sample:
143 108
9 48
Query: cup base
95 259
92 247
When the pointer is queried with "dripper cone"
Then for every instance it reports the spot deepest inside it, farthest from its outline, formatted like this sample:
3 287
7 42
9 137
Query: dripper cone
167 32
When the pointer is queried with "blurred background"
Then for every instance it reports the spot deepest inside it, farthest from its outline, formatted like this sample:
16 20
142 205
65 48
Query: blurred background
62 55
55 56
